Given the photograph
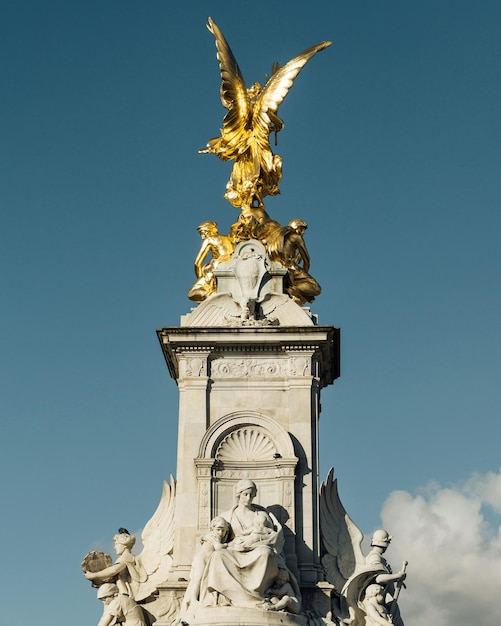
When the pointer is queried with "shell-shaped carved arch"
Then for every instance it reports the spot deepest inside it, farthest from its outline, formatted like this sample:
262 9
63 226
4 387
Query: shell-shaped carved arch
246 444
251 432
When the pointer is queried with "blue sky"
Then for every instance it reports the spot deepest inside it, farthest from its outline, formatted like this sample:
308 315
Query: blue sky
391 154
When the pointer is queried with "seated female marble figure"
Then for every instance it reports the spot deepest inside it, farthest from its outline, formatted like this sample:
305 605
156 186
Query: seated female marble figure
241 574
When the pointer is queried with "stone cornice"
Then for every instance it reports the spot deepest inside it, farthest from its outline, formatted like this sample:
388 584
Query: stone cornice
321 341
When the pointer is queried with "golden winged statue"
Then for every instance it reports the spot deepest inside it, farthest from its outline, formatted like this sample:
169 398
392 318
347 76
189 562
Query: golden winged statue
251 118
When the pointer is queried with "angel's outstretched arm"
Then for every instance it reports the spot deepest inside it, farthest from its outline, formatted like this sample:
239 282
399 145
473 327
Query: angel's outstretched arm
384 579
113 570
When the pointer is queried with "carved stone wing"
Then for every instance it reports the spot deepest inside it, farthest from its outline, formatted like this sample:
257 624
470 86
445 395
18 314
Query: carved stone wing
233 90
278 86
341 538
271 301
158 543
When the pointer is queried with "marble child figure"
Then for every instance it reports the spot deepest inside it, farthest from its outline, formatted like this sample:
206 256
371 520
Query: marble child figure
241 574
258 530
282 596
374 607
119 608
215 539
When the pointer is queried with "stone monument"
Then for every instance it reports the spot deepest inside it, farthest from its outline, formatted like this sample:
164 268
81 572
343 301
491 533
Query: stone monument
245 535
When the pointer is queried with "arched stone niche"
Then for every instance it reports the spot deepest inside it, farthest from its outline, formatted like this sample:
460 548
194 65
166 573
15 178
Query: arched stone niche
246 444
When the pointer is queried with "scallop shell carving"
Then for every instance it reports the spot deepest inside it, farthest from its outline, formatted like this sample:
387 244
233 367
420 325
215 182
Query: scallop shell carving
246 444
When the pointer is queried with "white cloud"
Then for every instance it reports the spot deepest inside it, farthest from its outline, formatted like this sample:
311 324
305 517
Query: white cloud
454 552
486 487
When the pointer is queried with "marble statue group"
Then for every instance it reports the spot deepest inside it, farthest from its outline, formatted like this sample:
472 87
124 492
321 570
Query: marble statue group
240 562
246 534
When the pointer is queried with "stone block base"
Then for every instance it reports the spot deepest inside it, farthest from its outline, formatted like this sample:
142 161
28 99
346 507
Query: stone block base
233 616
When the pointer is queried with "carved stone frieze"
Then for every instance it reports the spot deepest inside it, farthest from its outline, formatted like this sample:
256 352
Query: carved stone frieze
168 603
236 474
195 366
251 367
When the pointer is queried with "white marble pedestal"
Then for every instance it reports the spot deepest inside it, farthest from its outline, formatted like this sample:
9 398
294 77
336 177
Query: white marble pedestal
226 615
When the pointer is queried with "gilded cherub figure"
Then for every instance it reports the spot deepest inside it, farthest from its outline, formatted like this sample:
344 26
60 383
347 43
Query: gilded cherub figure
221 247
251 118
286 244
303 287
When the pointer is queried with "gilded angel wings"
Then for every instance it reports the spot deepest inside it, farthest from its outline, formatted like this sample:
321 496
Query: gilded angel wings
252 116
